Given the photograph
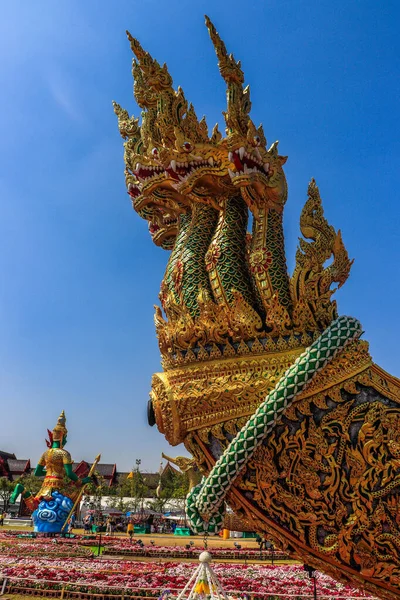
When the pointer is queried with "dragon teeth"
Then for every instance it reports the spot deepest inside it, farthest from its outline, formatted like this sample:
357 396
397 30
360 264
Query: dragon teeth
230 156
211 161
241 152
173 165
257 153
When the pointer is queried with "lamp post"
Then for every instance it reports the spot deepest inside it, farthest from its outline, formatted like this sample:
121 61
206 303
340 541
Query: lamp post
138 491
260 543
270 546
135 484
312 575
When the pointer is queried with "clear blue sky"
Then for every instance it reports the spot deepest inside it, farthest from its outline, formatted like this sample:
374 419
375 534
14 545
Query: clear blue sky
79 274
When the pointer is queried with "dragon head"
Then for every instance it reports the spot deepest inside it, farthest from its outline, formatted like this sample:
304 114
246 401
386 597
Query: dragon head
149 184
152 195
258 171
180 154
253 168
163 213
198 163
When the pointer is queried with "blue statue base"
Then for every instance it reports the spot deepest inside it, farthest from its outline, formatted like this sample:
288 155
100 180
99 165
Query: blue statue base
50 515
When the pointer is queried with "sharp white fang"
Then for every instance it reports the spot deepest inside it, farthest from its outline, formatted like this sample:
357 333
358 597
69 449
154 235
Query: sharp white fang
257 153
173 165
211 161
266 167
230 156
241 153
231 173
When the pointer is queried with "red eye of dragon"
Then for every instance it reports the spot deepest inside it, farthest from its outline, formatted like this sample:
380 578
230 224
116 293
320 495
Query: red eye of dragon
187 146
154 152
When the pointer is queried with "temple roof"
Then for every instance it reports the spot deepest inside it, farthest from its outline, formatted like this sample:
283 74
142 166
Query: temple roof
107 470
6 455
18 465
104 469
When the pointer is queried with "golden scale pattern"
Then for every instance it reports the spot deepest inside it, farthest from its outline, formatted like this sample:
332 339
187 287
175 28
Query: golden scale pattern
325 484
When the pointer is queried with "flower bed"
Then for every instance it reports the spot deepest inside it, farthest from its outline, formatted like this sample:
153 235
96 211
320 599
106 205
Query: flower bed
44 548
17 544
117 546
123 547
148 579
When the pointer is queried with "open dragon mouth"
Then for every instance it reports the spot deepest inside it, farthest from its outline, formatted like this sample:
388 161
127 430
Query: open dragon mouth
146 173
134 190
245 164
181 171
168 222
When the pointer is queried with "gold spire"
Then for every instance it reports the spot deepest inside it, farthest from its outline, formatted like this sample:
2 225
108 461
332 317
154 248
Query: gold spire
168 116
238 99
128 126
60 430
230 70
156 76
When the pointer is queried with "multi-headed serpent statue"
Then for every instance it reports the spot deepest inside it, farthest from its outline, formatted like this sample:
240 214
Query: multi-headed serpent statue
276 397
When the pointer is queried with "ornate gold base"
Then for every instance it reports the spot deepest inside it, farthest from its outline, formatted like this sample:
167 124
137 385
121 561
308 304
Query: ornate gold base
203 396
325 484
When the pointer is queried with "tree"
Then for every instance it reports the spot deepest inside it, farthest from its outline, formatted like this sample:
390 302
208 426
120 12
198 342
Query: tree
31 483
181 489
6 489
94 494
121 491
174 486
138 490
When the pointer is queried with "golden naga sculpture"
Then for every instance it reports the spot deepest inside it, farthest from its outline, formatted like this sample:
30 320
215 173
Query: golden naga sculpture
275 396
185 465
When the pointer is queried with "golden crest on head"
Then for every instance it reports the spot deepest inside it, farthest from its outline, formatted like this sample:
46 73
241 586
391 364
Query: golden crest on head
60 430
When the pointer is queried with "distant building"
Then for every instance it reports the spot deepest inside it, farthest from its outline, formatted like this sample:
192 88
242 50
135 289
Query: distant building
106 470
12 467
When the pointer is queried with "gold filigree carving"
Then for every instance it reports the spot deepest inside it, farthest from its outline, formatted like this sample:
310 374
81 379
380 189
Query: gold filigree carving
311 281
